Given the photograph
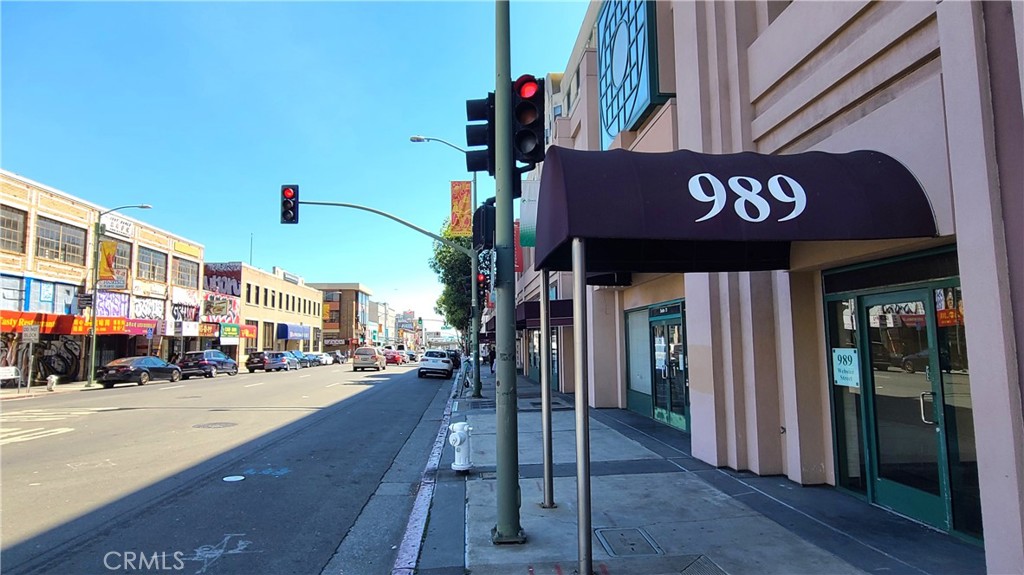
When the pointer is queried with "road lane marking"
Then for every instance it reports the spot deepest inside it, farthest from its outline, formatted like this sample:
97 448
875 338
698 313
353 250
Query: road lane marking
304 376
19 435
333 384
171 387
253 384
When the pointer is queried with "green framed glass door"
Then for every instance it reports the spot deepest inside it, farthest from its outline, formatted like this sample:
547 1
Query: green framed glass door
906 415
670 377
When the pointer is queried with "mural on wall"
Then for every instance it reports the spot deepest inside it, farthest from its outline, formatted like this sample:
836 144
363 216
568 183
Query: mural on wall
219 308
56 355
147 308
223 278
185 304
112 304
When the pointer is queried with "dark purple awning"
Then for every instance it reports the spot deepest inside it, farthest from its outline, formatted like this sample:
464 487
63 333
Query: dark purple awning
528 313
688 212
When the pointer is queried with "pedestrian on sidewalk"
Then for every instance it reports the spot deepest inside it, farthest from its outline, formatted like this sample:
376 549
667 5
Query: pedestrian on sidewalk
490 356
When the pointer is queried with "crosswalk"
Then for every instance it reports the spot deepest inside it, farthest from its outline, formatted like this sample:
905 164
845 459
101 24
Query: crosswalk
27 419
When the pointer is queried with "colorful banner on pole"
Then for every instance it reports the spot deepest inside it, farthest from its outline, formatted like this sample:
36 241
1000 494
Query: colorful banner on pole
462 210
108 250
518 247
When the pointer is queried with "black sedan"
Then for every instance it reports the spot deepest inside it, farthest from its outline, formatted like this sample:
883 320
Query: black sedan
139 370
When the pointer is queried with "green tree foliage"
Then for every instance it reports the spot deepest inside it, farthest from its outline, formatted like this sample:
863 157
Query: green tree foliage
453 271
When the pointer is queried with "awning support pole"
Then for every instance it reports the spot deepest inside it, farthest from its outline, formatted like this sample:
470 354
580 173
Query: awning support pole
579 315
545 388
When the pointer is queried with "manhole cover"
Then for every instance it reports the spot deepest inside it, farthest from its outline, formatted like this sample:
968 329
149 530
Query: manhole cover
627 542
214 425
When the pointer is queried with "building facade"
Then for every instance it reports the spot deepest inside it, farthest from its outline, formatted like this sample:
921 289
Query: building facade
150 281
277 310
864 363
346 315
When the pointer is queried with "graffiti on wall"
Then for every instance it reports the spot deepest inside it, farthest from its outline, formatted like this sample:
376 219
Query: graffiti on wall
223 278
112 304
219 308
57 355
147 308
185 304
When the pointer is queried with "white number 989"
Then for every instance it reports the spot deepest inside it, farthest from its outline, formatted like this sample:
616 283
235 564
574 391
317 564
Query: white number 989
748 191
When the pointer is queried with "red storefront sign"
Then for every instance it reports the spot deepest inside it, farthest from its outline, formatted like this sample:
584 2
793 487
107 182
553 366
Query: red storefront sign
54 324
247 331
209 330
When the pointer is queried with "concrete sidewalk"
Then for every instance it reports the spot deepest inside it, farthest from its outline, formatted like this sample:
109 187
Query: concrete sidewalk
656 510
39 388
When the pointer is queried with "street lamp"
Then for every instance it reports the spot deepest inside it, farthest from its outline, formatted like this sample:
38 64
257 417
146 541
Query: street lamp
475 336
97 229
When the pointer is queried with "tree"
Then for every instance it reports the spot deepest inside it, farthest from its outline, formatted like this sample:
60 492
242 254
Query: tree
453 271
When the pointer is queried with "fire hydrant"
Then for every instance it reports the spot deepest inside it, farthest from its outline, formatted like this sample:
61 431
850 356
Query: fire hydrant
51 382
459 438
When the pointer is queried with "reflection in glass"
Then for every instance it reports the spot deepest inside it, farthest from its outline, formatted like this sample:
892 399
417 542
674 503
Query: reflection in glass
959 414
843 334
904 400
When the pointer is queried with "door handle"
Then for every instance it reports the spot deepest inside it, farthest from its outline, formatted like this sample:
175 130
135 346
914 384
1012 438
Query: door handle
925 419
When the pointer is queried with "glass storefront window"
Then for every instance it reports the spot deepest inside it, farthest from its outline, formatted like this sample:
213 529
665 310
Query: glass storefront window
842 326
639 352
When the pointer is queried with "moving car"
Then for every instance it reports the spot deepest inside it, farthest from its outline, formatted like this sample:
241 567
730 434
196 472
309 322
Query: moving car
411 355
395 357
139 369
435 361
368 358
207 363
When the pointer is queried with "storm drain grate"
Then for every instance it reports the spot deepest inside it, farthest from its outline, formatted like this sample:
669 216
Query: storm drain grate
555 406
477 403
214 425
627 542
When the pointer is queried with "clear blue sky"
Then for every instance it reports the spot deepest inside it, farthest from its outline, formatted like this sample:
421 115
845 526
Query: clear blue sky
204 109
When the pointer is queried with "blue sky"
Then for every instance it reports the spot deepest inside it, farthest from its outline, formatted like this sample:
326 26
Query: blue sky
204 109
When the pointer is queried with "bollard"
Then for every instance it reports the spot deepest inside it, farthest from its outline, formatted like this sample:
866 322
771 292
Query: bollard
51 382
459 439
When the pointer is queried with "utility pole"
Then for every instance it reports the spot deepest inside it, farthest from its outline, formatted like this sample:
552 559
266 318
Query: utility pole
507 529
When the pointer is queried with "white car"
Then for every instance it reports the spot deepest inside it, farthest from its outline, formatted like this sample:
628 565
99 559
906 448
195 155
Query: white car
326 358
435 361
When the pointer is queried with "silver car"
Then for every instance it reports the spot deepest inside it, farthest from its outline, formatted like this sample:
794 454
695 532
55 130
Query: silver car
368 358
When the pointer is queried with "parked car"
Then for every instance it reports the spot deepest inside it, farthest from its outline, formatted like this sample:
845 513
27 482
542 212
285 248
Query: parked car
919 361
139 369
299 357
368 358
435 361
456 357
256 360
881 359
207 363
279 361
325 358
313 359
339 357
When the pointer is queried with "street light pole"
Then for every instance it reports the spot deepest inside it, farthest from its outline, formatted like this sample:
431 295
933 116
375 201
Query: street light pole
474 271
96 231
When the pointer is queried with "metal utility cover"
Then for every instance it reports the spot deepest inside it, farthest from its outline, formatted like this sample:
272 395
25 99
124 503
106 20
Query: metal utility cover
627 542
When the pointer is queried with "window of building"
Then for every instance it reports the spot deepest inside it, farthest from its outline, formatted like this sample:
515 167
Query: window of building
152 265
248 293
60 242
186 273
265 300
12 229
332 316
122 254
273 298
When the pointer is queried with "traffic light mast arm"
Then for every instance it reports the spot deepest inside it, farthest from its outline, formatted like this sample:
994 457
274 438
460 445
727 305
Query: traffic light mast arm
461 249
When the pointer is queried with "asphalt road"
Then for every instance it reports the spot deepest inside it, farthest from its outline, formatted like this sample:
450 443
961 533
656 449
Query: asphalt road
136 479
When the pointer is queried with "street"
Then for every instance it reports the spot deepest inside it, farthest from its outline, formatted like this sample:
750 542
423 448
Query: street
257 473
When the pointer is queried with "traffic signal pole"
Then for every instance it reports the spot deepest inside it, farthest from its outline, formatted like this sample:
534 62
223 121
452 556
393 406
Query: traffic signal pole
507 529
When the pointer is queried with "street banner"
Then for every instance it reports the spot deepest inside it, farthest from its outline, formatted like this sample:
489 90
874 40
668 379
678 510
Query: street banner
518 248
528 214
108 249
462 211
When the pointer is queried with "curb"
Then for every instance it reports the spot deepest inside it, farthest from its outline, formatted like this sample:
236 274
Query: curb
409 550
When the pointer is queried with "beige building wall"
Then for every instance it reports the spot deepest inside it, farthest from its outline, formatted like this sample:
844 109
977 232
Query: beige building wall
909 79
270 309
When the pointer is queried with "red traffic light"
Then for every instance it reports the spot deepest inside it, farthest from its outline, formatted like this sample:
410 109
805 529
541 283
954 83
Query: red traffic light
288 193
526 86
480 278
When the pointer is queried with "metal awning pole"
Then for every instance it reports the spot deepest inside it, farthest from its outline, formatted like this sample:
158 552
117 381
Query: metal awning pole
579 316
545 389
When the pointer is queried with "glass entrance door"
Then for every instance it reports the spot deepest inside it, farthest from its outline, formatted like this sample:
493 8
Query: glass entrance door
908 458
671 384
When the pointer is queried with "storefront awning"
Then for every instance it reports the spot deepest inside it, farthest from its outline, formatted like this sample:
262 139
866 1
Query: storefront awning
688 212
292 331
528 313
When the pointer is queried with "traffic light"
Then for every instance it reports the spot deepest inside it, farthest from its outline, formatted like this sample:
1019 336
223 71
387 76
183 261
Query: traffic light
482 284
289 204
480 134
528 119
483 227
